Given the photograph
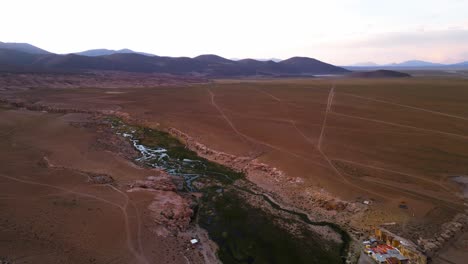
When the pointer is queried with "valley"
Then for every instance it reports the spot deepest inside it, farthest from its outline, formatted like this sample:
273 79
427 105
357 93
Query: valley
358 153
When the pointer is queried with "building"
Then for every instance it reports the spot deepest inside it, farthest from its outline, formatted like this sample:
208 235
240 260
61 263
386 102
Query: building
383 253
405 247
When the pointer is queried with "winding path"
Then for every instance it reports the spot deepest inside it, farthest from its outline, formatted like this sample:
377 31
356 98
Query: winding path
319 143
406 106
401 125
248 138
422 178
140 257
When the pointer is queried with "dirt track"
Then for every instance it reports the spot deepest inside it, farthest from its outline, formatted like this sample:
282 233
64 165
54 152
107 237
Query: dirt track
52 213
389 141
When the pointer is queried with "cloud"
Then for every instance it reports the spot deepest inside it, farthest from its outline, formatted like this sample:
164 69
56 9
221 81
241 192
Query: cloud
444 46
433 38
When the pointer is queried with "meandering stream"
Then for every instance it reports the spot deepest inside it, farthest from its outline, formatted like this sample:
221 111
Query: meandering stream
244 234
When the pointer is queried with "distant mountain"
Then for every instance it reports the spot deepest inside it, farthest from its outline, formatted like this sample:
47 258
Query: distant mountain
204 65
24 47
365 64
379 74
104 52
465 63
260 59
415 63
409 65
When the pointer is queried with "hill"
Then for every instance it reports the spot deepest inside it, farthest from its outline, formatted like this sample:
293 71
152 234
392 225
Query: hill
23 47
204 65
304 65
211 58
380 74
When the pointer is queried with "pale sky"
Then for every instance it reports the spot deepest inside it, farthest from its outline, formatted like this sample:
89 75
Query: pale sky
338 32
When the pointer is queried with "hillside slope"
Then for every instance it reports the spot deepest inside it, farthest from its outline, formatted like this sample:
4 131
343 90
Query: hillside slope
204 65
23 47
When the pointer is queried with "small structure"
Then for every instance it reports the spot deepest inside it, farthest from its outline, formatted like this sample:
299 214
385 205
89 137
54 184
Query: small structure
403 205
383 253
194 241
404 247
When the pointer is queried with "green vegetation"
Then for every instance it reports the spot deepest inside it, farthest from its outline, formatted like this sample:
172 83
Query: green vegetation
244 234
177 151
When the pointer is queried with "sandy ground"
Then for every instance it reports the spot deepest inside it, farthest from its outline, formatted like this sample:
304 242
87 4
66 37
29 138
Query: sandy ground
386 141
456 252
52 213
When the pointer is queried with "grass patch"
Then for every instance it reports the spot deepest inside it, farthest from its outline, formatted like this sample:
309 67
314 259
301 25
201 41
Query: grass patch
246 234
176 150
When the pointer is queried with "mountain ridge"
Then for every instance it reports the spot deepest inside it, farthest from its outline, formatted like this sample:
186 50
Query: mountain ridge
203 65
104 52
415 63
409 64
24 47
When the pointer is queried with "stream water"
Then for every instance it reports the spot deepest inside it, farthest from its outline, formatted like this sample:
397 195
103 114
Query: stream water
158 157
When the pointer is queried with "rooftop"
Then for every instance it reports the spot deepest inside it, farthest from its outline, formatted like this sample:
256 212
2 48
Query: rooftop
384 252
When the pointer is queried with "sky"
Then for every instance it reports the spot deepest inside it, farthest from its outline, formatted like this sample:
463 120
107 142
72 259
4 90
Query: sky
339 32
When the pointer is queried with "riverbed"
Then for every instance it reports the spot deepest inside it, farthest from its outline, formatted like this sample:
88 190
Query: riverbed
243 232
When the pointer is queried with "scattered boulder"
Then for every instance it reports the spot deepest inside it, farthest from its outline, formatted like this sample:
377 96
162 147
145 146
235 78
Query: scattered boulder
44 163
171 210
162 182
168 208
257 171
100 178
446 233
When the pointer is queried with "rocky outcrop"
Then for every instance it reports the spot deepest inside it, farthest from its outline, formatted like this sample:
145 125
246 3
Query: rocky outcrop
447 232
171 210
168 208
36 106
93 177
114 80
46 108
162 182
326 204
246 165
100 178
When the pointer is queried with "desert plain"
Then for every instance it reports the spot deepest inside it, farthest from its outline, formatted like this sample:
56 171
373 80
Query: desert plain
356 152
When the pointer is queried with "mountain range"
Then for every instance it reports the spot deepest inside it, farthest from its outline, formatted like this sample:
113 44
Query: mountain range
26 57
103 52
411 64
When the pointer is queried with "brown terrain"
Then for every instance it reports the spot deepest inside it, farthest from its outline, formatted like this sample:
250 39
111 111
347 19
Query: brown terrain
323 146
62 199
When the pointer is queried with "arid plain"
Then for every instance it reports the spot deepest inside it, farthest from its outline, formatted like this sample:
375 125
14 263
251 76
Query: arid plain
396 144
